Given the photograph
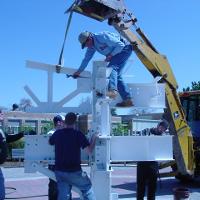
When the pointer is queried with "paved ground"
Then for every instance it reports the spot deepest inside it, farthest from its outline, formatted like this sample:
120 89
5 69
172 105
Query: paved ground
34 186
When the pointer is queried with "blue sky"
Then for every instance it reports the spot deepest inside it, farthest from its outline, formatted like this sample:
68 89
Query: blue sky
34 30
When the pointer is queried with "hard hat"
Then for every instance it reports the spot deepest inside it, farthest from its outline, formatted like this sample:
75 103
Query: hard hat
83 38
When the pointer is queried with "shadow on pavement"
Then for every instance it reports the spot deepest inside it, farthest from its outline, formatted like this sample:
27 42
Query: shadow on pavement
126 186
125 196
164 187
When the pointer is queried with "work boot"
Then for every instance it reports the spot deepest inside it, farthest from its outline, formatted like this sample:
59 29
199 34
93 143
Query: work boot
125 103
112 94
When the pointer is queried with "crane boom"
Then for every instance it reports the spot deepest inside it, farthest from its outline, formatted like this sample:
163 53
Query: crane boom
158 65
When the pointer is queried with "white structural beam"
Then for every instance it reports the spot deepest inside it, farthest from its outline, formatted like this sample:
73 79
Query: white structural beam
83 86
50 87
50 67
39 65
32 95
138 148
141 148
68 98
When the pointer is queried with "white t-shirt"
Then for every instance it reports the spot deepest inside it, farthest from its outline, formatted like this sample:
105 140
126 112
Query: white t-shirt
51 132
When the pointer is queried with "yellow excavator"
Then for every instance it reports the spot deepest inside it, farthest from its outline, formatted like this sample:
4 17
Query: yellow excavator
186 152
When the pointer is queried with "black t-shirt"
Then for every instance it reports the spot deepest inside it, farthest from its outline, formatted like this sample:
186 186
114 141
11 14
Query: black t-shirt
3 148
68 143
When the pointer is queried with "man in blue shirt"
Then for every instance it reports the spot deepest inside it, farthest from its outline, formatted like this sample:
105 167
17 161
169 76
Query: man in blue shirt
68 142
117 52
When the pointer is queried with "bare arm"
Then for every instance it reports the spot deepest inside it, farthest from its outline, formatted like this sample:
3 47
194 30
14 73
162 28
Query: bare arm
15 137
90 148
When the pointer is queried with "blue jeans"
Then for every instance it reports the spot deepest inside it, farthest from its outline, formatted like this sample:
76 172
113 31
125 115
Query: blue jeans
115 80
2 186
78 179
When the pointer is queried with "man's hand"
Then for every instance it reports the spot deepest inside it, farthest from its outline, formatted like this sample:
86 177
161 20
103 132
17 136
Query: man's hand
21 134
76 75
93 139
95 136
108 58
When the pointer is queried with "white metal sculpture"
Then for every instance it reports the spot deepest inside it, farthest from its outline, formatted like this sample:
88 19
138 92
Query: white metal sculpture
50 106
107 148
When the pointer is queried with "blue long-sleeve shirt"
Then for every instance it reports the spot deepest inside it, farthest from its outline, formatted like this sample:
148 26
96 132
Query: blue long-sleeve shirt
106 43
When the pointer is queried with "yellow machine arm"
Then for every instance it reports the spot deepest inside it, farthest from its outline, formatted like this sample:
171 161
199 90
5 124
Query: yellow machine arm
158 66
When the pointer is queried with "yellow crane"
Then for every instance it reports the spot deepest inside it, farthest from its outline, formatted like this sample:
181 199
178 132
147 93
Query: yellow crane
157 64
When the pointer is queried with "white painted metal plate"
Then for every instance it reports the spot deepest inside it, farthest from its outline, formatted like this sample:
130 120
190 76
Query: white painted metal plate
148 99
37 148
141 148
148 95
141 124
136 111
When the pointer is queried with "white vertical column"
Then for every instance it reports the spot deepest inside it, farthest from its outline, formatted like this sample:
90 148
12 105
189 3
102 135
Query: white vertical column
105 118
100 170
50 87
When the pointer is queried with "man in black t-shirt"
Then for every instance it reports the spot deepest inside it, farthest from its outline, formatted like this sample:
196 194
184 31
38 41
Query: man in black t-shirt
147 171
4 140
68 143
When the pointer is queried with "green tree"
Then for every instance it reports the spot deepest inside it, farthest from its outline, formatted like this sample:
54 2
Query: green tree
46 127
121 129
26 128
195 86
